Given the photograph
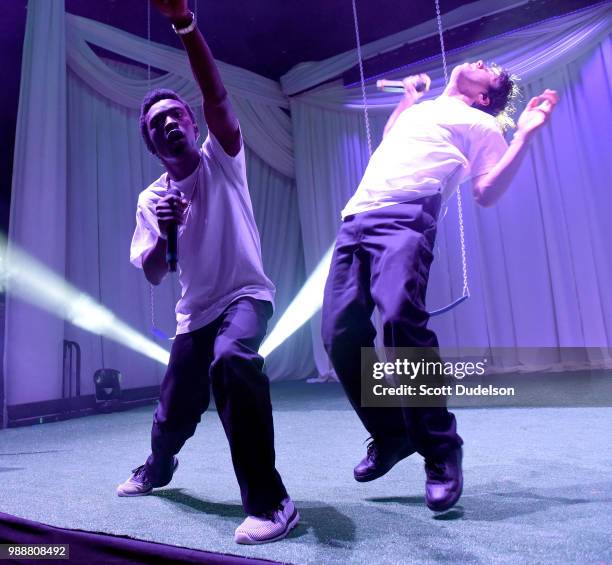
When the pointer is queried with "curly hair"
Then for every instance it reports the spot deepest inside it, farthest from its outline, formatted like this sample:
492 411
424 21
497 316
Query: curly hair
152 98
503 95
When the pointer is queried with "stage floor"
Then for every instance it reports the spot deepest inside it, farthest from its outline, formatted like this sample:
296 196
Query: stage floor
538 485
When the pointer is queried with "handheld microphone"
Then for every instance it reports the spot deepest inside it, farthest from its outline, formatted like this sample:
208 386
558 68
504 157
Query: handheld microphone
172 243
421 85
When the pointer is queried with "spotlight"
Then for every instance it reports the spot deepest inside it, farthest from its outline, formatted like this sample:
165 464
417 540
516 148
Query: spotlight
108 389
31 281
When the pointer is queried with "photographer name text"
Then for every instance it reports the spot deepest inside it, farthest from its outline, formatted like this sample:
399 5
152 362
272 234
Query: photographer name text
446 390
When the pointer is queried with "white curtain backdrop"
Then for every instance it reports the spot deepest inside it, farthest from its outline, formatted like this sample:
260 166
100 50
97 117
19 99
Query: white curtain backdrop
540 272
33 338
530 272
258 100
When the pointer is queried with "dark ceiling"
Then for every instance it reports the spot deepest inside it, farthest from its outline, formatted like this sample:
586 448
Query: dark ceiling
271 36
268 37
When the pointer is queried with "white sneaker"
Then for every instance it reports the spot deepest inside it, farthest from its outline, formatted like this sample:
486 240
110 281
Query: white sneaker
139 484
272 526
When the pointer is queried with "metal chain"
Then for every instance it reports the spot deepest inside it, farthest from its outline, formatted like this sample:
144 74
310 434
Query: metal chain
466 288
151 288
149 44
361 74
152 300
441 34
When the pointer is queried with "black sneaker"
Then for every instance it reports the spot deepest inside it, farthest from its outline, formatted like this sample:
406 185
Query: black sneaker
140 484
444 481
381 457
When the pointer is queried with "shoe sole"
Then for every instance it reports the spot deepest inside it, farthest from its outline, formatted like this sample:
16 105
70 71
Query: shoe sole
291 523
145 493
130 494
374 476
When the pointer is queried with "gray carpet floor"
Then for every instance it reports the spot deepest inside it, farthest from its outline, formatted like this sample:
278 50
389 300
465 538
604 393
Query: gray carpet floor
537 485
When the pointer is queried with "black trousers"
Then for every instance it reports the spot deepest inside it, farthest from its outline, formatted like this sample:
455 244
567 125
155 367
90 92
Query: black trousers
382 258
222 355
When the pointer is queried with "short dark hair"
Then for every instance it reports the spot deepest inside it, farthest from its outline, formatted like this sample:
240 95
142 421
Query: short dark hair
502 97
151 98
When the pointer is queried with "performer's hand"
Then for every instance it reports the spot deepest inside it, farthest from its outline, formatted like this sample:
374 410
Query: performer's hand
537 112
410 91
170 209
174 10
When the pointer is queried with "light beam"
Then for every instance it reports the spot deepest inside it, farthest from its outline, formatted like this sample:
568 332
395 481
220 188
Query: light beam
303 307
33 282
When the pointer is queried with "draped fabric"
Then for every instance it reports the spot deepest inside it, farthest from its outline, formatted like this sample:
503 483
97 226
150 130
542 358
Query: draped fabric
33 338
309 74
538 264
276 212
258 101
528 258
529 52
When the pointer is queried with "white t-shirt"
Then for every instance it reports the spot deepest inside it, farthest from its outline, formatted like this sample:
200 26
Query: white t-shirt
219 247
432 147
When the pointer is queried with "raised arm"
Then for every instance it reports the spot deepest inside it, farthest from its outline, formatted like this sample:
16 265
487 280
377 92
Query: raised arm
410 97
218 111
490 187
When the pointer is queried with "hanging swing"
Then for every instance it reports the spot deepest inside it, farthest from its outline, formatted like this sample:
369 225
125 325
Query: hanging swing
466 290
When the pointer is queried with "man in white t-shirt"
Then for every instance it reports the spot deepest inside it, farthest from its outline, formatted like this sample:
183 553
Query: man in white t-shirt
226 298
385 247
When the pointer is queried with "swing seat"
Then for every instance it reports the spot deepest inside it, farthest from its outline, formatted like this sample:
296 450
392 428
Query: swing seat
449 306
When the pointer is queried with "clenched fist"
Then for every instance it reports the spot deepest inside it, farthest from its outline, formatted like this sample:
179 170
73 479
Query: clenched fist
170 209
410 86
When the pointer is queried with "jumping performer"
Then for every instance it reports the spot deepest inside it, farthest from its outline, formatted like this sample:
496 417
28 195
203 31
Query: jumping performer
385 247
